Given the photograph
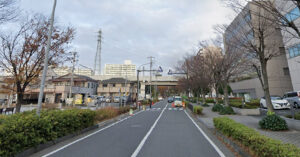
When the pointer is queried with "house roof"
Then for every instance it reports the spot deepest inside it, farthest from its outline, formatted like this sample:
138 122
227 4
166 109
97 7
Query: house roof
116 80
76 77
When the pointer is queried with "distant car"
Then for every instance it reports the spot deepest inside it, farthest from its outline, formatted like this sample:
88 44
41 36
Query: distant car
116 99
170 99
277 102
108 99
293 98
100 99
177 101
160 98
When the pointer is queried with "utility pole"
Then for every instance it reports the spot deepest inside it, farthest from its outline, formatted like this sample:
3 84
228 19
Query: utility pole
97 63
151 63
72 73
38 111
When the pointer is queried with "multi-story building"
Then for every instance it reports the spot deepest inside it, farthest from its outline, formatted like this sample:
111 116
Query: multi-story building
291 40
117 87
59 88
126 69
60 71
278 69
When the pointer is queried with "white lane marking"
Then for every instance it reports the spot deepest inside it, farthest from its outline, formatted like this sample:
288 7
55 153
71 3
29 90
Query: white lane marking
207 138
65 146
138 149
170 108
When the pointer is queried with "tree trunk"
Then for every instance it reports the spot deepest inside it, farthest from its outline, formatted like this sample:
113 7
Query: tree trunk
266 87
217 94
225 89
203 97
19 101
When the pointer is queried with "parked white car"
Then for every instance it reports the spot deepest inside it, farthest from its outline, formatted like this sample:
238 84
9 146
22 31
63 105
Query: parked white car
277 102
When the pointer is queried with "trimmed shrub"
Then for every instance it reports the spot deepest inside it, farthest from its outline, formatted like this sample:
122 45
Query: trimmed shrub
227 110
197 109
209 100
21 131
273 122
259 144
217 108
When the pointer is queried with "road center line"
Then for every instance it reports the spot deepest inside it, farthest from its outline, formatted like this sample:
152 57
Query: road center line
80 139
140 146
207 138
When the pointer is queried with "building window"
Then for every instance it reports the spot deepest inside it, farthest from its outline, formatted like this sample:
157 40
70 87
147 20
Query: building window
88 85
104 85
294 51
293 14
114 85
286 71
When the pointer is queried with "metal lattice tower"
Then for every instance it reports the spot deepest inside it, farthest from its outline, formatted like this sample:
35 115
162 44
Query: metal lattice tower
97 63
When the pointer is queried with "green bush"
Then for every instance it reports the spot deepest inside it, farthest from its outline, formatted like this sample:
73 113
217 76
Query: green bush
273 122
209 100
261 145
197 109
227 110
217 108
21 131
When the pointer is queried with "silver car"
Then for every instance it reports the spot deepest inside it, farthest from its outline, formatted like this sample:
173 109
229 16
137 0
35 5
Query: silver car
293 98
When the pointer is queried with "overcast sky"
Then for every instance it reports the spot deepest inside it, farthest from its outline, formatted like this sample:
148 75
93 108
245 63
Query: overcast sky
136 29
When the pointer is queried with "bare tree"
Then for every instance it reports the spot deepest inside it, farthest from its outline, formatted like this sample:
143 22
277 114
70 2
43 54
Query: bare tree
212 63
22 52
198 75
8 10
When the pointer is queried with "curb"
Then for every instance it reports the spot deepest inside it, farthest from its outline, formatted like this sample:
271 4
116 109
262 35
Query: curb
236 148
233 146
40 147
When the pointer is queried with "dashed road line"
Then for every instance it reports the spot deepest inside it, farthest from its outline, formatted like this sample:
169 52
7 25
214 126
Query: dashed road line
140 146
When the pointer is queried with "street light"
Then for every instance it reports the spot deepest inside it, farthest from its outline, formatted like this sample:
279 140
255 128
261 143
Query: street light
38 111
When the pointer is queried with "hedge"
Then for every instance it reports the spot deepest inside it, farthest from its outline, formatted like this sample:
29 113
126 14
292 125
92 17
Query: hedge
260 145
197 109
25 130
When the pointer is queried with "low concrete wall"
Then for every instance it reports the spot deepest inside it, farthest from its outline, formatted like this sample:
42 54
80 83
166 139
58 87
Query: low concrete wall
246 112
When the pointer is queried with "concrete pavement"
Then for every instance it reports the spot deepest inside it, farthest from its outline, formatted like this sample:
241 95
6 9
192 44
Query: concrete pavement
160 131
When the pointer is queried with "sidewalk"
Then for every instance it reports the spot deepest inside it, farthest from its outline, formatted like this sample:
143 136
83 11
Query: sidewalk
292 136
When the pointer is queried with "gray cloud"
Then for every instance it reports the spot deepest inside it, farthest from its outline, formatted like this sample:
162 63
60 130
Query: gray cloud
136 29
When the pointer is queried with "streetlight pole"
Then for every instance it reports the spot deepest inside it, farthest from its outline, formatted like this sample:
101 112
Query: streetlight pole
38 111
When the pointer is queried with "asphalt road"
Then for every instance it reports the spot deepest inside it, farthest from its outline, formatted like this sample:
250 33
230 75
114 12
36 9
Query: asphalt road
161 131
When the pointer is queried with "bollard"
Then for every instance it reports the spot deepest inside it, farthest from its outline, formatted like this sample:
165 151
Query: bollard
130 112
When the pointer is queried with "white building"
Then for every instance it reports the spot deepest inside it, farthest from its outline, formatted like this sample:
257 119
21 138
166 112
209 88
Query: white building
60 71
126 69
